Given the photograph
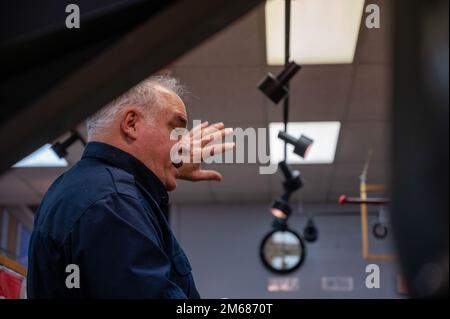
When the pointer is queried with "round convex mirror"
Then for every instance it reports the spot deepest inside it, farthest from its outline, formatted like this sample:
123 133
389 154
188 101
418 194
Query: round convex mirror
282 251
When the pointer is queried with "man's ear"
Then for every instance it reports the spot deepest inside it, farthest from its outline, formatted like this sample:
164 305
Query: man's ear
129 123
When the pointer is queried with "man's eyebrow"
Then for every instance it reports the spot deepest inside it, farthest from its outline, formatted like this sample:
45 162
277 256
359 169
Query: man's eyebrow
181 120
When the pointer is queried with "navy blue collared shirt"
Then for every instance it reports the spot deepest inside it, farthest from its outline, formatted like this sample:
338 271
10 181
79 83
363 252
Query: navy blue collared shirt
105 215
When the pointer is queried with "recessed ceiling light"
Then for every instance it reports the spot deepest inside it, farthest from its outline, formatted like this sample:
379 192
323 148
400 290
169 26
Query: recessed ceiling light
43 157
322 31
322 151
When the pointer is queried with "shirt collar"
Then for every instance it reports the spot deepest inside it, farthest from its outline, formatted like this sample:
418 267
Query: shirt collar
119 158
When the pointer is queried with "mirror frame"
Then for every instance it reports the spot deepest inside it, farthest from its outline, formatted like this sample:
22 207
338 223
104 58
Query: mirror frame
268 265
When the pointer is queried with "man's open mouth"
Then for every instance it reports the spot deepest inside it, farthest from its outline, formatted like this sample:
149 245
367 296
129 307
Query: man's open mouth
177 165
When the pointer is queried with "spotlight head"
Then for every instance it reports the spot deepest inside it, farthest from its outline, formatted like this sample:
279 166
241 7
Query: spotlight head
301 145
310 233
279 224
275 88
60 148
281 209
293 180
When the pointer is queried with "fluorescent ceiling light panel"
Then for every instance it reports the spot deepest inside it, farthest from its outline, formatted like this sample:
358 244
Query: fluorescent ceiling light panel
322 31
322 151
43 157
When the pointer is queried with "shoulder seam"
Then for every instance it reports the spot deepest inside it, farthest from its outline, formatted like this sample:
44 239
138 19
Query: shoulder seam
112 179
116 182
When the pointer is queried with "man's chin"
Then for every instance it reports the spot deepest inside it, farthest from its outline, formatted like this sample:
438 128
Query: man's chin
171 185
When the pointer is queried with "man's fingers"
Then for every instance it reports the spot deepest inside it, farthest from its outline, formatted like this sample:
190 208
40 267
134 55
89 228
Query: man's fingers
207 175
215 136
197 130
213 128
208 129
216 149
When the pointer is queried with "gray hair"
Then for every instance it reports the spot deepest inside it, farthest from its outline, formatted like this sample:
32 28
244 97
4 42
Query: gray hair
145 95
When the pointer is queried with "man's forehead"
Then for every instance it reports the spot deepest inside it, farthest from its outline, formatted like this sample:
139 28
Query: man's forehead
174 107
170 96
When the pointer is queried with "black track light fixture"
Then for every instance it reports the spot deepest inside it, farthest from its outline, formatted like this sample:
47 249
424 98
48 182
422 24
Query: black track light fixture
310 232
275 87
60 148
301 145
292 178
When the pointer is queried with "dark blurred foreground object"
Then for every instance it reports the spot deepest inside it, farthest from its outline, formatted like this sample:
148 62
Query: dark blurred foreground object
420 145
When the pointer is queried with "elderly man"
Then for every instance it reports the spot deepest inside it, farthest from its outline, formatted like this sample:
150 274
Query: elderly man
104 218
